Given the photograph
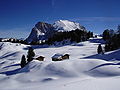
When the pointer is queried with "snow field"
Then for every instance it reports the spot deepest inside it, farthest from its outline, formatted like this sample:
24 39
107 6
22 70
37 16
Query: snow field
85 70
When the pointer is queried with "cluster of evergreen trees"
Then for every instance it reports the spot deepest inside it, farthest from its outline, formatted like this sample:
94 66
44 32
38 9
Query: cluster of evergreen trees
112 39
30 56
74 36
13 40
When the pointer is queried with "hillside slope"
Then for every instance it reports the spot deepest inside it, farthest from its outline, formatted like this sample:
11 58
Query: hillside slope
81 72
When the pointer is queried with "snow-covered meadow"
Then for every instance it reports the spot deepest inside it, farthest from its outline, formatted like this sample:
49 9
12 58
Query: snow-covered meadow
85 70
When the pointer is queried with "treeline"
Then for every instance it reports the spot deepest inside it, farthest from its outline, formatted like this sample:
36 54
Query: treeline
112 39
74 36
13 40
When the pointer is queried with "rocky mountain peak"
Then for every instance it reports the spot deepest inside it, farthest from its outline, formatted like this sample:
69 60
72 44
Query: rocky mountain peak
44 27
42 30
65 25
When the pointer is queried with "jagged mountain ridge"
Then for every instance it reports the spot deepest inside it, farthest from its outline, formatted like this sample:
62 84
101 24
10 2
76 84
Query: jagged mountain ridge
42 30
65 25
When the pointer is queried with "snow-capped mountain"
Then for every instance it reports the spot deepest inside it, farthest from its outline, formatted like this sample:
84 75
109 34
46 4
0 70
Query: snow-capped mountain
42 30
65 25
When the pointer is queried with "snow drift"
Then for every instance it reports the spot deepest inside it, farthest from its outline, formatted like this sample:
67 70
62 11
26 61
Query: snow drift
85 70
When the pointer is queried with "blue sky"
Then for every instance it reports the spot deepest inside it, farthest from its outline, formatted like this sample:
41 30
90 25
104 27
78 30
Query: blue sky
17 17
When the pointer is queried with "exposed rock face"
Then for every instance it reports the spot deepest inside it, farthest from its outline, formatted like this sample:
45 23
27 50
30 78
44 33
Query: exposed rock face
42 30
44 27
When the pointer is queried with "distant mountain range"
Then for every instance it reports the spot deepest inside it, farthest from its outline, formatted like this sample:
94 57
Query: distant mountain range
43 31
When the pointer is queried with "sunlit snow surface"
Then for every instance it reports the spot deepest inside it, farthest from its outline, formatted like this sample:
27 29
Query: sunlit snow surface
85 70
65 25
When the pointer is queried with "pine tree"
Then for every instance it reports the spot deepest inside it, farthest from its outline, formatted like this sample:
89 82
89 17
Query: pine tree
91 34
100 50
106 35
118 28
30 55
88 35
23 61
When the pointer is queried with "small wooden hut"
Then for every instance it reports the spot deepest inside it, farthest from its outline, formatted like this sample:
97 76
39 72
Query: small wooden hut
60 57
66 56
40 58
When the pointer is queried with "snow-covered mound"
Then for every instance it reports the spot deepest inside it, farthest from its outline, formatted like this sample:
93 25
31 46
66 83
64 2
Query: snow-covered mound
67 69
84 70
65 25
11 51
